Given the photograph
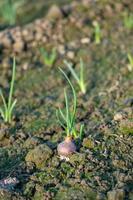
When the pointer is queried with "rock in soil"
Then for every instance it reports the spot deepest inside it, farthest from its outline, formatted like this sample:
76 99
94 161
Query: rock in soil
39 155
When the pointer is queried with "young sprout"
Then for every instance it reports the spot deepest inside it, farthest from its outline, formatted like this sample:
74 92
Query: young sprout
130 59
67 120
7 110
48 58
97 32
9 10
80 79
128 20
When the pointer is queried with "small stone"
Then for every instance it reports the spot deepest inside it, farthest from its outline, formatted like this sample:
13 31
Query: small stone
64 158
61 49
130 68
70 54
54 13
118 194
6 42
28 38
25 66
25 32
44 39
38 36
85 40
18 46
118 116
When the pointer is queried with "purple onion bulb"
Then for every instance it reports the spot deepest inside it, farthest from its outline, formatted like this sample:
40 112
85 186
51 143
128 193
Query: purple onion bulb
66 147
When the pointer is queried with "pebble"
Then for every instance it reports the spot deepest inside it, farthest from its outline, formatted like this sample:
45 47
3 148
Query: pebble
18 46
118 194
70 54
61 49
85 40
54 13
25 66
6 42
118 116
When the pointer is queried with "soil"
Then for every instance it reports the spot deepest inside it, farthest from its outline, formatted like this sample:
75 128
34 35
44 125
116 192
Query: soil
101 169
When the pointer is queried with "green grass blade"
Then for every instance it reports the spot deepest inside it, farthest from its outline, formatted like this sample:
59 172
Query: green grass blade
12 106
82 81
81 131
6 112
48 58
97 31
74 107
42 51
53 55
62 115
128 20
74 97
8 12
74 93
12 84
5 107
130 58
4 101
67 114
72 71
10 111
81 71
2 113
57 115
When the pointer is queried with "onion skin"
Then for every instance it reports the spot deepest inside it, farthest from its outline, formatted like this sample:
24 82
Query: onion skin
66 147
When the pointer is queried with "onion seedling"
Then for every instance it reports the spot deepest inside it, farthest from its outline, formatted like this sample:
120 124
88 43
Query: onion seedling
7 110
48 58
67 120
130 59
128 20
80 79
9 10
97 32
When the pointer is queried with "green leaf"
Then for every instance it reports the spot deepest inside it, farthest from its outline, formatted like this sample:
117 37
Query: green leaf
2 113
4 101
62 115
69 65
67 113
81 131
12 84
57 115
12 106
